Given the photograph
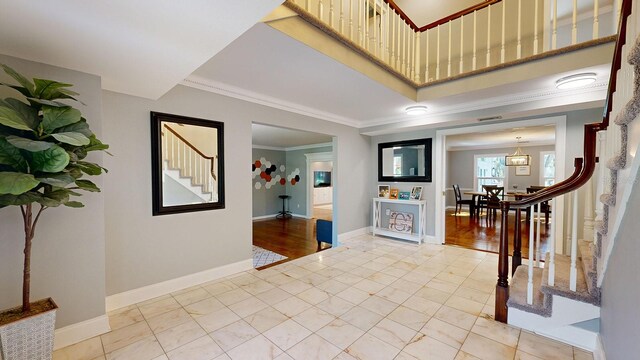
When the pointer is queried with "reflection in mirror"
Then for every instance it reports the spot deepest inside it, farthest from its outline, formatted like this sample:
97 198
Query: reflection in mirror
188 164
408 161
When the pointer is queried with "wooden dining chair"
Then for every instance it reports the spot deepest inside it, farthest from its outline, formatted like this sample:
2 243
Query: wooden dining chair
482 200
495 194
544 206
460 201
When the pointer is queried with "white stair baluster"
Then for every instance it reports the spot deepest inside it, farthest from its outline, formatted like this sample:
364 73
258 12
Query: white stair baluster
475 36
519 46
596 20
530 269
417 57
320 10
460 68
426 58
574 23
449 52
351 20
488 36
504 28
574 243
438 54
554 36
538 252
535 28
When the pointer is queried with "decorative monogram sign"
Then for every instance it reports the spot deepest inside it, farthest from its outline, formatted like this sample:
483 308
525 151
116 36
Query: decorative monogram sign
401 222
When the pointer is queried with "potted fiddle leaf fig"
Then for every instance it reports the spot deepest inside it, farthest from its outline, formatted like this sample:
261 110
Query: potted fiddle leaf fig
44 143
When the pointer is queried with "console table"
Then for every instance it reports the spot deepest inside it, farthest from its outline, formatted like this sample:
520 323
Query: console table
419 233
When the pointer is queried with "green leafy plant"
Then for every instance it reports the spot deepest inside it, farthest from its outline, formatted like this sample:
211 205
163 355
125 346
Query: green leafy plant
43 146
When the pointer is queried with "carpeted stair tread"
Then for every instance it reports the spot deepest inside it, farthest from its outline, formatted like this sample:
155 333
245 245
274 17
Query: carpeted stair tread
518 292
561 285
589 266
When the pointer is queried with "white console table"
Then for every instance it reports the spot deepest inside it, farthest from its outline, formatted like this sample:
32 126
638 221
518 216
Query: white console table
417 236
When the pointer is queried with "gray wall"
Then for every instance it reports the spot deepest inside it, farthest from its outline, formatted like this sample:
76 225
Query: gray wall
427 188
620 314
461 169
68 261
298 192
142 249
265 201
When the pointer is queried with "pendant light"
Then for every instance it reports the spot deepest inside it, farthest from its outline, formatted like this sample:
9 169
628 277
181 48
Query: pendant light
518 158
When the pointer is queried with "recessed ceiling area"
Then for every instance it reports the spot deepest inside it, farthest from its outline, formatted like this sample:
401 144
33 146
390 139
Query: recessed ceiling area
281 138
425 12
529 136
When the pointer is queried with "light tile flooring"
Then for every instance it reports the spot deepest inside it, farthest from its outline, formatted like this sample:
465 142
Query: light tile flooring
371 298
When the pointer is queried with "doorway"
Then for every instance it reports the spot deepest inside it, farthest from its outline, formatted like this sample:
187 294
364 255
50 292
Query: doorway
473 156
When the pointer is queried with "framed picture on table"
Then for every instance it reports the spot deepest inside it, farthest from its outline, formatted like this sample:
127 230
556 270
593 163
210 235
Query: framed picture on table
383 191
416 193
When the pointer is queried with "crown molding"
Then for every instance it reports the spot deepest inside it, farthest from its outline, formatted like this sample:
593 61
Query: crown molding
494 102
201 83
499 146
292 148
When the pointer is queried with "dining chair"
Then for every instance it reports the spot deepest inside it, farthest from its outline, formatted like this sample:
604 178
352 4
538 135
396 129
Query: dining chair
544 206
460 201
482 200
495 194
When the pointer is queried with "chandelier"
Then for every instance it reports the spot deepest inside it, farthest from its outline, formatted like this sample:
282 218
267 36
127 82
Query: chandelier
518 158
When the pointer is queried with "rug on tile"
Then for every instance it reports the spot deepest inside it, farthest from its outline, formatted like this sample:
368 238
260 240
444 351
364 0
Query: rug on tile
262 257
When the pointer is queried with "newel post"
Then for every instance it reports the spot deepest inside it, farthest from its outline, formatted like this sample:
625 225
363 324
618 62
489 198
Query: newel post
516 259
502 287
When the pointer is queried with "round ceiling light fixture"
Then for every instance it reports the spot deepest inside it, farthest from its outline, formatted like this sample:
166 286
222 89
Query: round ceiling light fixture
576 81
416 110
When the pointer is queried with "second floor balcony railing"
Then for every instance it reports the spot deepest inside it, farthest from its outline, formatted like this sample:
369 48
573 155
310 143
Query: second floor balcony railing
486 35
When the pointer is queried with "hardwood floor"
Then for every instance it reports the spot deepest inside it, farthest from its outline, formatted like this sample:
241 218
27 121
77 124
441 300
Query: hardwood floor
293 238
473 233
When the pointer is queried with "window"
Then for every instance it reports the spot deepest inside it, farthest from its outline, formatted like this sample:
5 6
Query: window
547 167
397 165
489 170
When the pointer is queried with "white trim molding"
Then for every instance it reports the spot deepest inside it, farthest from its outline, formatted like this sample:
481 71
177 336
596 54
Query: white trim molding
354 233
271 216
292 148
81 331
598 352
144 293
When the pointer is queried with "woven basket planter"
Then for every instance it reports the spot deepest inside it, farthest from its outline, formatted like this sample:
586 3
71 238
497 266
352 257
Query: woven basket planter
29 338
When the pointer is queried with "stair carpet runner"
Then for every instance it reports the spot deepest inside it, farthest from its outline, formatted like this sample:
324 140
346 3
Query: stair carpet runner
587 289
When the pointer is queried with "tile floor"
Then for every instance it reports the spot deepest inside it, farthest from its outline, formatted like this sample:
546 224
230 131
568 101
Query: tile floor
371 298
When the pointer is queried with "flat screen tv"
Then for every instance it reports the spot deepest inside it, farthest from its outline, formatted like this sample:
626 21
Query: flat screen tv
321 179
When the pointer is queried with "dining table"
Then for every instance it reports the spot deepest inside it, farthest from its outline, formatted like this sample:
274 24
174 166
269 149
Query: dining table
477 195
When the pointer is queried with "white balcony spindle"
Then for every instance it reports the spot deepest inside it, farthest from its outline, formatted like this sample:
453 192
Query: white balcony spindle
341 17
403 67
449 52
530 269
411 42
426 58
360 18
573 274
438 53
393 41
574 23
381 35
367 26
475 36
535 28
554 36
461 65
351 20
596 20
320 10
504 28
488 36
538 234
331 13
387 29
374 31
552 247
306 5
417 57
519 46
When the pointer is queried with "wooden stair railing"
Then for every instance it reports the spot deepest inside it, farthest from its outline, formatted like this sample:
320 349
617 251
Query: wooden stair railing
194 167
583 170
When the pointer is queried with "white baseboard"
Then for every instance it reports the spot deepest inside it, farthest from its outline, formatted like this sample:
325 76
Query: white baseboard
430 239
572 335
151 291
272 216
300 216
598 352
357 232
81 331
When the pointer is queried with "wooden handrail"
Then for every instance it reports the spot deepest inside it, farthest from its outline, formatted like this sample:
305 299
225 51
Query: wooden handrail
444 20
583 170
459 14
188 143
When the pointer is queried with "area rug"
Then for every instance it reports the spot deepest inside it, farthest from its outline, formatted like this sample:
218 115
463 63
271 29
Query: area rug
262 257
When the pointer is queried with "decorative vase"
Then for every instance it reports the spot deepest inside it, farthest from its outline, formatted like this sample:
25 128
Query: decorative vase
29 337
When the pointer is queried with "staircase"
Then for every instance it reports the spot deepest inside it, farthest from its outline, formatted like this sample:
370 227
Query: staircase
561 297
187 168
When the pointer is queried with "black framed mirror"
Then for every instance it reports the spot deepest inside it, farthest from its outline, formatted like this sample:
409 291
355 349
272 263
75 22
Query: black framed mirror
187 157
405 161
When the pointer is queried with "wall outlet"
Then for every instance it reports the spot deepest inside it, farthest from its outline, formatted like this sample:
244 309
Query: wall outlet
298 206
388 212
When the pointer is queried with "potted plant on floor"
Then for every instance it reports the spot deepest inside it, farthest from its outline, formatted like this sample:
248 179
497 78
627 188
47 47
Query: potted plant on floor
44 143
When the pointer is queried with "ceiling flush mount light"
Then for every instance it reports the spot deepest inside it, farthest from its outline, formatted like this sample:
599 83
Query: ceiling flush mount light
416 110
518 158
576 81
